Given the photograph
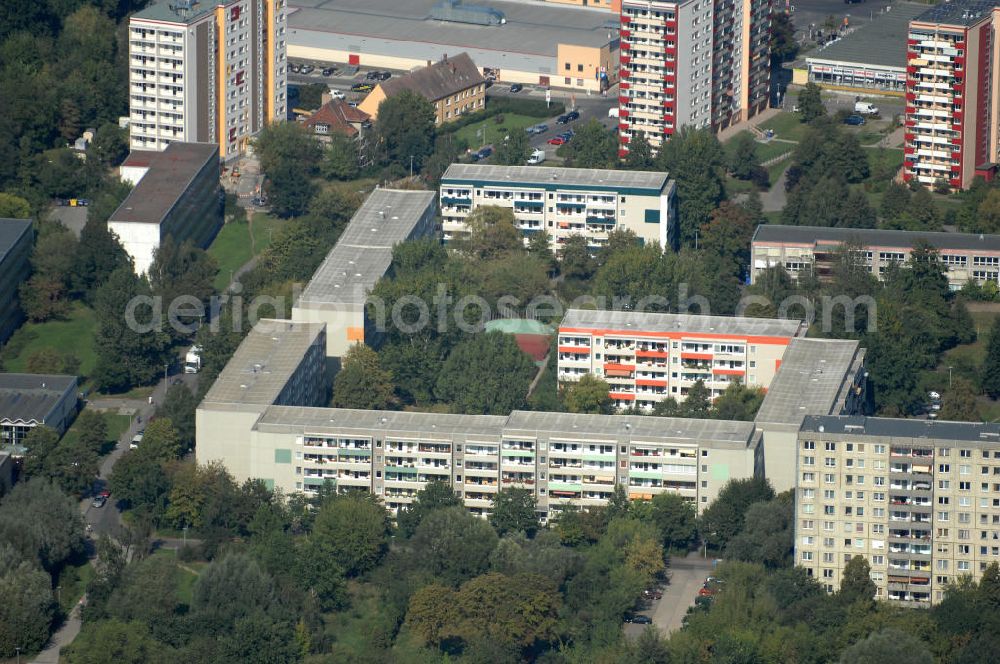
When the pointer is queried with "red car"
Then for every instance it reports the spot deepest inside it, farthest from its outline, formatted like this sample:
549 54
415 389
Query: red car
557 140
707 592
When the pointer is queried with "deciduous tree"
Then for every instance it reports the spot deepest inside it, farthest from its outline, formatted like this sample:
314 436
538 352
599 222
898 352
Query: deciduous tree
675 518
486 374
362 382
589 395
810 103
725 518
353 531
513 150
514 511
405 129
856 584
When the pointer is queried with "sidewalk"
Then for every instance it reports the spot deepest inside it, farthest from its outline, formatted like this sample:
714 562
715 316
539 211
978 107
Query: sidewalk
60 639
761 117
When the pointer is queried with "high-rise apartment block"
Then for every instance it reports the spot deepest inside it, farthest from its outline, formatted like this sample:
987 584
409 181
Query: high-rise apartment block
919 499
648 357
693 62
210 71
953 94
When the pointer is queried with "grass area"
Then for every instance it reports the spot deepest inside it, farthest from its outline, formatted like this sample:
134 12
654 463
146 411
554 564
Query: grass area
352 630
72 583
117 425
737 186
238 243
494 130
187 574
774 171
74 334
785 125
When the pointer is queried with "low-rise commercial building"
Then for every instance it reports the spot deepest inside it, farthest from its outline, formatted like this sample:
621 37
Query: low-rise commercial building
648 357
916 498
177 195
454 86
540 44
814 250
338 291
869 59
16 241
564 201
31 400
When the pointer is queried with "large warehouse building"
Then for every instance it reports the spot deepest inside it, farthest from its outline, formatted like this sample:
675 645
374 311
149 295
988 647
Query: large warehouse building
540 43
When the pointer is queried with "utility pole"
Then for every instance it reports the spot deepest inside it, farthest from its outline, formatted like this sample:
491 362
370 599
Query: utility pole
411 166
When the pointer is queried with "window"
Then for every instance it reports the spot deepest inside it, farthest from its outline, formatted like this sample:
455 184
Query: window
579 67
567 66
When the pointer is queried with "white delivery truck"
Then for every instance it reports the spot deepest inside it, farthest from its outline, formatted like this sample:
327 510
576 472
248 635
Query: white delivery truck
865 108
192 360
537 156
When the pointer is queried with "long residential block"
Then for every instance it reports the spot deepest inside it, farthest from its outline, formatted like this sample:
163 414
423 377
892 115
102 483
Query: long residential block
337 293
208 71
177 195
16 241
564 201
814 250
918 499
648 357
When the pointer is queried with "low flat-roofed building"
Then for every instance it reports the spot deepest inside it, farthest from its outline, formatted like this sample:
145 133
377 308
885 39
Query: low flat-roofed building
648 357
540 44
917 499
454 86
564 201
870 59
31 400
563 459
814 249
16 241
279 362
337 293
817 377
177 194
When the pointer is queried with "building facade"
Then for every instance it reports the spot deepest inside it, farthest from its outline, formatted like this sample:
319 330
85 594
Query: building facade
177 194
17 239
815 250
31 400
918 499
563 201
695 62
648 357
209 71
953 94
454 86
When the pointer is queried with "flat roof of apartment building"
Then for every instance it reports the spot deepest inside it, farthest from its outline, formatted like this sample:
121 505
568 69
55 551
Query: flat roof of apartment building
31 397
880 42
265 360
814 378
11 232
321 420
638 182
903 428
364 251
177 11
957 12
533 28
169 177
720 433
814 235
629 322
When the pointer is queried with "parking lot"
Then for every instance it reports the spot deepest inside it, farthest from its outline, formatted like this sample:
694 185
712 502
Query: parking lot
686 578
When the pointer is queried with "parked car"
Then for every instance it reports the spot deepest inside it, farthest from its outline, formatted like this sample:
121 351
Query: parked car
566 118
652 593
538 129
865 108
483 153
706 591
307 69
337 94
568 134
329 71
639 619
515 88
362 87
854 120
372 76
99 501
384 75
933 396
557 140
294 68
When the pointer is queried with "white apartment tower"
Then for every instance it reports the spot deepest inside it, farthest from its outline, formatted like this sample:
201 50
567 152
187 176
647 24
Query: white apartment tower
210 71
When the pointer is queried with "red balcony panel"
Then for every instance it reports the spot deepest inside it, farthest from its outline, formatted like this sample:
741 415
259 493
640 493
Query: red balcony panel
912 42
662 354
625 33
622 153
623 100
909 150
650 383
623 126
574 349
696 356
625 59
729 372
622 113
911 96
624 397
625 19
955 182
615 366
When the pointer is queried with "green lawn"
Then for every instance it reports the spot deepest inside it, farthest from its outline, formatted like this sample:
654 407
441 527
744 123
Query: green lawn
187 574
73 335
774 171
765 151
72 583
786 126
117 424
238 243
494 131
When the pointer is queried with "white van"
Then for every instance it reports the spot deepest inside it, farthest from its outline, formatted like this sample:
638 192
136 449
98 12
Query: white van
865 108
537 157
613 112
